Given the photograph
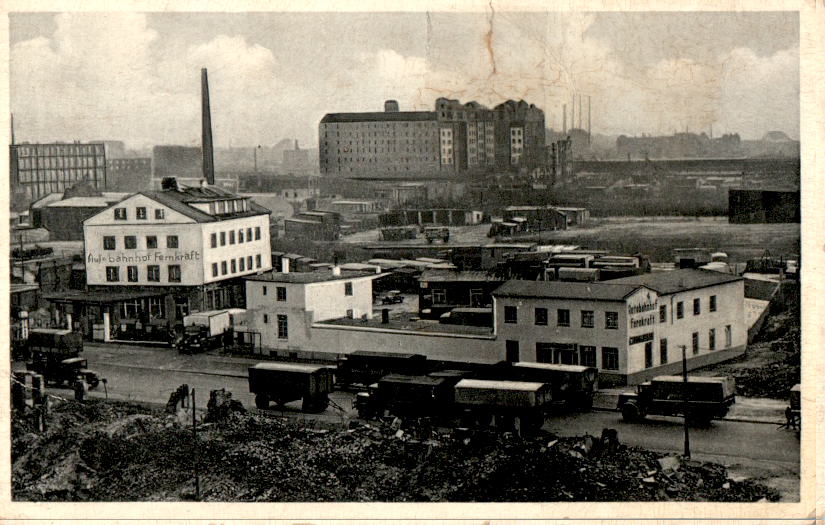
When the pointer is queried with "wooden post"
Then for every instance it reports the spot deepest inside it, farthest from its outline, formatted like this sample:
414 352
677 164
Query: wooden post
195 450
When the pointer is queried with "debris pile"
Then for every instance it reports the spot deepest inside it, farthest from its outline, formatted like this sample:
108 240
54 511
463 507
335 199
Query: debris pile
118 452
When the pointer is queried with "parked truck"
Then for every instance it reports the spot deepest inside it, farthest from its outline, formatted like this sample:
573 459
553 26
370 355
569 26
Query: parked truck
365 368
571 385
203 331
55 354
700 399
285 382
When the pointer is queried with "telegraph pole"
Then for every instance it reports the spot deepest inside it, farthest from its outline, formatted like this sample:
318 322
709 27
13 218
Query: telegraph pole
685 400
195 450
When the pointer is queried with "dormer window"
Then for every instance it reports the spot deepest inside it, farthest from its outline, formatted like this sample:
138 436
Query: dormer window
120 214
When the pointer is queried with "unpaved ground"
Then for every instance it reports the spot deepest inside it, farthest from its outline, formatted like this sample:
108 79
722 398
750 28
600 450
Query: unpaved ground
654 236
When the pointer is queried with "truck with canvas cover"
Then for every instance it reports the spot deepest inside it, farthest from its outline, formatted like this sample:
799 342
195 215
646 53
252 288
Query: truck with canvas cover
204 331
365 368
700 399
285 382
54 343
571 385
405 396
520 404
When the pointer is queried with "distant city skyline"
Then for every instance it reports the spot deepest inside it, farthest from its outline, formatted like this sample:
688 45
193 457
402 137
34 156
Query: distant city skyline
134 77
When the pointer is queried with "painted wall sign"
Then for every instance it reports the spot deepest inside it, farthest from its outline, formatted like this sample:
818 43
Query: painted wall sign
151 257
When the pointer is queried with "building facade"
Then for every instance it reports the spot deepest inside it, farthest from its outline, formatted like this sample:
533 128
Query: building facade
454 138
129 174
283 306
40 169
631 329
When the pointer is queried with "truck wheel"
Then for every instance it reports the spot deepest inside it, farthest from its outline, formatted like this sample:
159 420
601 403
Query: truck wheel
585 403
630 412
93 382
262 401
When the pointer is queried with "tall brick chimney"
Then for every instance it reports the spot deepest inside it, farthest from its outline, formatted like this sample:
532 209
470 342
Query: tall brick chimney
206 131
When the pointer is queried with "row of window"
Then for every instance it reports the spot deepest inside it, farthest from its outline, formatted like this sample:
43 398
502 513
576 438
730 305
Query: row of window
241 264
695 345
280 293
130 242
59 162
567 354
214 238
59 175
141 213
152 273
680 308
61 149
587 317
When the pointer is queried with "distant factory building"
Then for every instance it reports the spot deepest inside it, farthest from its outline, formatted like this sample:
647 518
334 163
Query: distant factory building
454 138
763 206
313 225
129 174
185 164
40 169
62 214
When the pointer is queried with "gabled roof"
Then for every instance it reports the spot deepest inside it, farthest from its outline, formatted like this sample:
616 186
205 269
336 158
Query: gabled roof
180 200
566 290
678 280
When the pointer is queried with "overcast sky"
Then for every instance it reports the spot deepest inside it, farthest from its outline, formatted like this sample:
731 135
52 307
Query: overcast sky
135 77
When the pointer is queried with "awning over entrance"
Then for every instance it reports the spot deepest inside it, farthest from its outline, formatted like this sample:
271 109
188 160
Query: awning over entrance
99 298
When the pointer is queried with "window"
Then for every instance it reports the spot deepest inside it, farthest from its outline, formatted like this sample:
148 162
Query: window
120 214
563 317
233 266
712 339
439 296
541 316
240 236
712 306
649 354
241 264
156 307
588 319
112 274
510 314
680 310
280 293
283 327
109 242
231 236
213 240
695 342
171 241
151 241
153 273
728 336
611 320
249 262
697 306
132 274
223 267
350 313
174 273
129 309
249 236
214 269
266 319
223 238
347 288
140 213
511 351
663 314
588 355
257 233
610 358
544 353
662 351
159 214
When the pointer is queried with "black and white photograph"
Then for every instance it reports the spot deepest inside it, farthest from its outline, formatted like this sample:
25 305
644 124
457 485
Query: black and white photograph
408 254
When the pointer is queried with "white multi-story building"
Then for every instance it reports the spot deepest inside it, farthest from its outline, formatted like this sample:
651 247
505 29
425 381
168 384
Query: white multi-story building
283 306
159 255
630 329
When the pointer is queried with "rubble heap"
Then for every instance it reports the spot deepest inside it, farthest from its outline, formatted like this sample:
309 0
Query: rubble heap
118 452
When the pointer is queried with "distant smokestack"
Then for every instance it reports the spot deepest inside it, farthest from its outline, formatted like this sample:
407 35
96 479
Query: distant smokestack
580 112
564 120
12 128
588 120
391 106
296 145
206 131
573 113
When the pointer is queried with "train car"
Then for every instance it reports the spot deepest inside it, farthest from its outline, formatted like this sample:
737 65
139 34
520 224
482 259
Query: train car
285 382
365 368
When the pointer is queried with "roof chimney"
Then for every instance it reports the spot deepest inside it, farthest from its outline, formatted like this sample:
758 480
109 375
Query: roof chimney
391 106
206 131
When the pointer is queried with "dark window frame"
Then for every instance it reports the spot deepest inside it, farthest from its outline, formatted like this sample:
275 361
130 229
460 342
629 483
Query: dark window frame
510 314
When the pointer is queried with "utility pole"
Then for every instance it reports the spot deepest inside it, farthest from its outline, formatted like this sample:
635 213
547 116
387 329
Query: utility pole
685 400
255 156
195 450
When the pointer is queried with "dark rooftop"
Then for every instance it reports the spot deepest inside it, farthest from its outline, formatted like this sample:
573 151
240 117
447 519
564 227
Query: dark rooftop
678 280
454 276
307 277
409 321
565 290
379 116
180 200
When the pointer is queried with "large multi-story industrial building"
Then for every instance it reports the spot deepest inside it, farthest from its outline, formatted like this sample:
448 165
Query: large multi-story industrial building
454 138
40 169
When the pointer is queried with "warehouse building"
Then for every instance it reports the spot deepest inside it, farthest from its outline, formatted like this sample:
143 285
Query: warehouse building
40 169
631 329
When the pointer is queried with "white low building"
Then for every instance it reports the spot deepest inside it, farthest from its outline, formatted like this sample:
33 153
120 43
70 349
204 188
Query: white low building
630 329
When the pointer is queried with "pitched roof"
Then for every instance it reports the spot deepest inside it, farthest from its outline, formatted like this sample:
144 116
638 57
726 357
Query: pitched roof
379 116
453 276
678 280
565 290
180 200
307 277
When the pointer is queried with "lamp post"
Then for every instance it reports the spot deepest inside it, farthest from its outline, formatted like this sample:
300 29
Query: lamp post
685 400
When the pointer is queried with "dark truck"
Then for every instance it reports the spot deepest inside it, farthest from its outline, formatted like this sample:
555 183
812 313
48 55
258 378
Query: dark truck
285 382
572 385
405 396
55 354
365 368
700 399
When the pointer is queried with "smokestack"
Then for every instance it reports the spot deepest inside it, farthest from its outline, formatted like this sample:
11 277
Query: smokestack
580 112
573 113
206 131
564 119
588 120
12 128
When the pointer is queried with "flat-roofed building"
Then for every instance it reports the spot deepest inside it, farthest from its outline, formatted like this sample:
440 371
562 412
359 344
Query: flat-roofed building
40 169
